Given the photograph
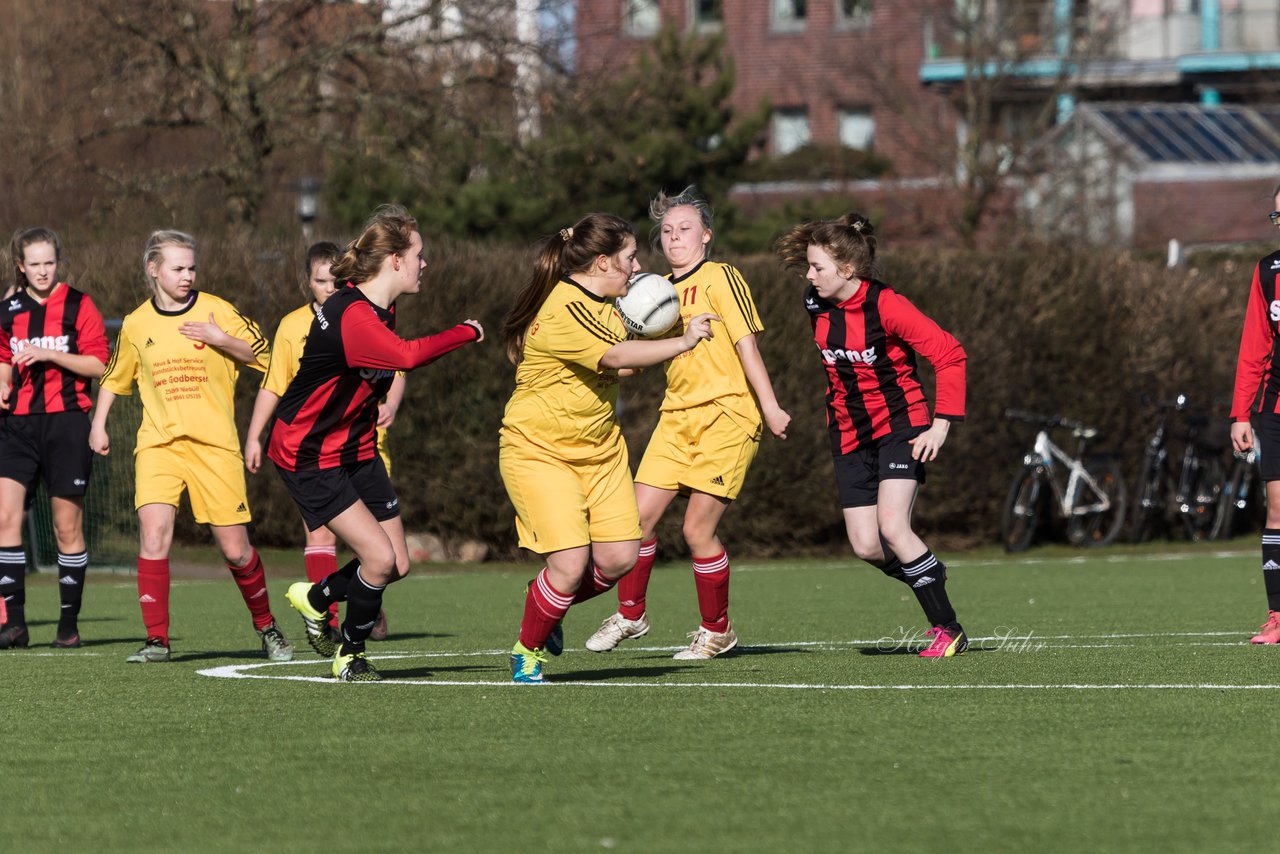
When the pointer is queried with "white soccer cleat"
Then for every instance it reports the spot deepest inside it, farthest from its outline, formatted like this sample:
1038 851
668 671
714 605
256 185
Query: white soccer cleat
707 644
615 630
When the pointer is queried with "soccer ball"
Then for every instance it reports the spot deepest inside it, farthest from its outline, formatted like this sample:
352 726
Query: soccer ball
651 305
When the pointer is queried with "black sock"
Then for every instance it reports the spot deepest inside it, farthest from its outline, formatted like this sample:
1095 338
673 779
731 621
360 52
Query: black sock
364 601
891 566
333 588
1270 566
71 572
928 579
13 581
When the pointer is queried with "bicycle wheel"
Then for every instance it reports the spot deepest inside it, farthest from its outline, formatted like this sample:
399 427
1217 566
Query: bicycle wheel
1148 503
1021 510
1200 504
1099 527
1225 517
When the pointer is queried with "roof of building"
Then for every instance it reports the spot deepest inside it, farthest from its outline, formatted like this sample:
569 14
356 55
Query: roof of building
1193 134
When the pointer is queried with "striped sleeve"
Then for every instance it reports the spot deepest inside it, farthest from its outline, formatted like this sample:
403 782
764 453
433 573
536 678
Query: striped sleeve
1257 344
732 302
239 326
122 367
580 334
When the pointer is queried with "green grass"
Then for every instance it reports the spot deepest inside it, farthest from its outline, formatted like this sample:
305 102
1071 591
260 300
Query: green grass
646 754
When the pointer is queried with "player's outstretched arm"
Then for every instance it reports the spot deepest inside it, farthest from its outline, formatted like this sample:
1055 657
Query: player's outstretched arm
776 418
643 354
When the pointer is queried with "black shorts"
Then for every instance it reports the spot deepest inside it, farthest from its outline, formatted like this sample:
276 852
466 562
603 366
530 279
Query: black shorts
1266 438
324 493
858 473
51 445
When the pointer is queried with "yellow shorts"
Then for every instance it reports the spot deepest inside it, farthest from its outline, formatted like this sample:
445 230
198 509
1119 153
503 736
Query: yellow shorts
701 449
382 449
562 505
213 478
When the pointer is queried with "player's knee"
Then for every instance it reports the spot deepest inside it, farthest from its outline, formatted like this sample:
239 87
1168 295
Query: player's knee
867 548
616 566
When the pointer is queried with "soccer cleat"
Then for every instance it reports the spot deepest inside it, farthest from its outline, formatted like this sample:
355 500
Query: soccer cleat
379 632
152 651
275 644
615 629
948 641
707 644
354 667
1269 632
555 640
71 641
526 665
13 636
317 622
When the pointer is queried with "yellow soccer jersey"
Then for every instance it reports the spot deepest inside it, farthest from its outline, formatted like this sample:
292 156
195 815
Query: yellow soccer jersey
712 371
187 387
564 403
286 349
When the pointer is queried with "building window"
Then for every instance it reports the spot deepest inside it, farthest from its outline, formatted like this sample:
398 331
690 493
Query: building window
790 130
706 14
641 17
857 128
787 14
853 13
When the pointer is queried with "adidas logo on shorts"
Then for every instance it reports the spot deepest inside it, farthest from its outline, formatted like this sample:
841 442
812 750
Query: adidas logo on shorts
241 508
718 480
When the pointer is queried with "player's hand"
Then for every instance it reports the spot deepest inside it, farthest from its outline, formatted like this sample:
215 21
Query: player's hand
209 332
252 455
925 446
699 328
99 441
479 329
5 390
386 414
31 355
777 420
1242 436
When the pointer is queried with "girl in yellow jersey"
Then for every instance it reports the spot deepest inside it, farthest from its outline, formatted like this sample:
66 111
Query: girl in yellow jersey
561 454
184 350
707 435
320 555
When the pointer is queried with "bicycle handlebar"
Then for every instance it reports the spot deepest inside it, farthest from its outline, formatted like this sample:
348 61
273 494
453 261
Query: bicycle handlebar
1078 428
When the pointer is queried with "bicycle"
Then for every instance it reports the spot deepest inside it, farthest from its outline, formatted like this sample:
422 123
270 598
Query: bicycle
1087 495
1237 494
1194 498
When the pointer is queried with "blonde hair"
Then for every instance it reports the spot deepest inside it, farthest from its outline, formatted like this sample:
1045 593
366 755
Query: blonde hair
154 253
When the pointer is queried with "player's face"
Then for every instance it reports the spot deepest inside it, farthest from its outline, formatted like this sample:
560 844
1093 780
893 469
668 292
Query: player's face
411 265
174 274
620 268
321 281
40 265
1275 206
832 282
684 239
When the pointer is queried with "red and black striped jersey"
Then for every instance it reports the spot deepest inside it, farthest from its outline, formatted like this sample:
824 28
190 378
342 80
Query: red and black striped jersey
68 322
1257 387
327 415
868 345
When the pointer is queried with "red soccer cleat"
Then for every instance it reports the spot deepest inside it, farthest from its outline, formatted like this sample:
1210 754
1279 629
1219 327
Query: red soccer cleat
1269 632
948 641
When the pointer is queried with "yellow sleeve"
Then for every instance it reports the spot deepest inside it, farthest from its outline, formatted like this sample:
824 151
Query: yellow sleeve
284 362
578 335
731 301
237 325
122 367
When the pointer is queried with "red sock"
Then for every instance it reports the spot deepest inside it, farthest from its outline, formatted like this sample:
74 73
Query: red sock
711 575
153 596
544 606
592 586
633 585
321 562
252 582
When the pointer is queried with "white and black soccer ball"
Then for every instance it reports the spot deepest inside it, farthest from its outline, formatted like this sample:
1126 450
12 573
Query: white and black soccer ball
651 305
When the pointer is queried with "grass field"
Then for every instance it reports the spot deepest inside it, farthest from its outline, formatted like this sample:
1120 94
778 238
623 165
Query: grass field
1110 702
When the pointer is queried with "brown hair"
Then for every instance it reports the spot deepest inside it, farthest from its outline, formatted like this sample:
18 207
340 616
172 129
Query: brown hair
24 237
849 240
572 250
389 231
324 252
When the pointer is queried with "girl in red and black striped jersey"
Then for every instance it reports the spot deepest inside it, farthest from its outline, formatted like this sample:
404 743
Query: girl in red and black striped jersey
868 337
1257 399
323 440
52 345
